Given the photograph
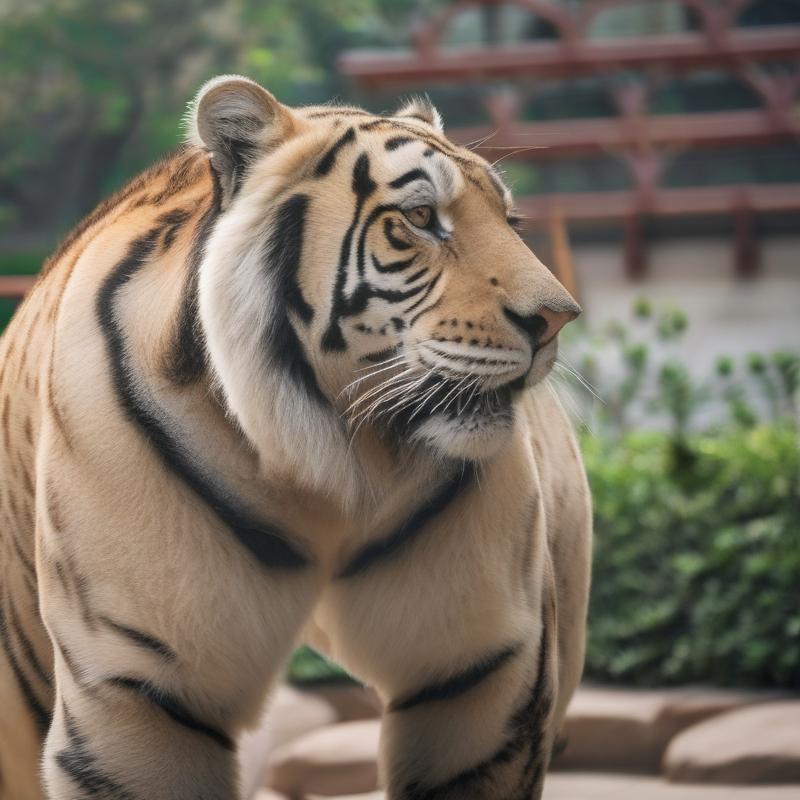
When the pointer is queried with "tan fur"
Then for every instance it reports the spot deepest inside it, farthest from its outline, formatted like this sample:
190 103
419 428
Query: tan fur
102 536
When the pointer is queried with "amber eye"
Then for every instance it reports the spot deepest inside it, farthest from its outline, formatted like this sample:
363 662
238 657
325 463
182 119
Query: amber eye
421 216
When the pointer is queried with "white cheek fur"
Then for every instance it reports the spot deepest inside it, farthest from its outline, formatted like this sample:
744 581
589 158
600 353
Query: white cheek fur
292 433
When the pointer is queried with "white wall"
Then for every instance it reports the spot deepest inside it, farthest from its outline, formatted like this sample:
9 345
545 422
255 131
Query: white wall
727 315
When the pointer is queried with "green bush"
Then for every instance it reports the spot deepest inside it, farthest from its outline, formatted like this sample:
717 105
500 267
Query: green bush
307 666
697 558
25 262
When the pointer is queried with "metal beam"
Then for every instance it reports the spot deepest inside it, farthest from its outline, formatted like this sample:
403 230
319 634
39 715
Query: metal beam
588 207
576 137
377 68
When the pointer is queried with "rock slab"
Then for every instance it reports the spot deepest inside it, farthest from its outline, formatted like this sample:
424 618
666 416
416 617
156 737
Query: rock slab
291 713
623 730
752 745
583 786
336 760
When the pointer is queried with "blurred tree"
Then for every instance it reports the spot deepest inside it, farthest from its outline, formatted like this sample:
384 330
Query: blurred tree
78 77
91 91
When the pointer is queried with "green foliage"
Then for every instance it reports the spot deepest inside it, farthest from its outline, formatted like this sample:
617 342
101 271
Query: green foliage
307 666
697 566
92 91
7 307
637 377
697 524
21 263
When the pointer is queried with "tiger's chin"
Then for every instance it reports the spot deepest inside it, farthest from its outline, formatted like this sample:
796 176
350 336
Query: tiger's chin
473 436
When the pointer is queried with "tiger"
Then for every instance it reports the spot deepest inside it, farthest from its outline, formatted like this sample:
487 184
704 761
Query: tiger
289 386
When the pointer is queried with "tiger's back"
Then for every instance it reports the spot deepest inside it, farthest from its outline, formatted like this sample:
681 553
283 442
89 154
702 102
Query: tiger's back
179 188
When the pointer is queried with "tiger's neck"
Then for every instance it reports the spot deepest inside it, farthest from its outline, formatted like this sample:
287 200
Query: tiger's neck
171 389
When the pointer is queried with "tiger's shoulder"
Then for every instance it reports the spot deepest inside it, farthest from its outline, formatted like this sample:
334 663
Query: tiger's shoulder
156 191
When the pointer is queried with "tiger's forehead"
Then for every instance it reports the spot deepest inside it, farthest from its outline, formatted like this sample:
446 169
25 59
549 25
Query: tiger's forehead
407 140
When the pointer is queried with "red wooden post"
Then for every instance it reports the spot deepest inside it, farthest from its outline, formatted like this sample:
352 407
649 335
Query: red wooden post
634 254
746 252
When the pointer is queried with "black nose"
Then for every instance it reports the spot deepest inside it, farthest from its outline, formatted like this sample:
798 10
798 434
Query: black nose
532 325
542 326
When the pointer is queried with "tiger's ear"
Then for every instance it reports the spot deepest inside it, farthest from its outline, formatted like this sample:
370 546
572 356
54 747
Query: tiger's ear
237 121
421 108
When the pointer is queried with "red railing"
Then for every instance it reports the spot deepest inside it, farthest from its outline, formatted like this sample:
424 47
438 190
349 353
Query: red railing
15 286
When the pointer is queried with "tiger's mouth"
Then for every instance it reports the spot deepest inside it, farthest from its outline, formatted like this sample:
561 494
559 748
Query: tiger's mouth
453 400
409 399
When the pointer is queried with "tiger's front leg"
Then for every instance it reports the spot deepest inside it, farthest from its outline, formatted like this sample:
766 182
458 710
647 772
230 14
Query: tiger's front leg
456 630
163 652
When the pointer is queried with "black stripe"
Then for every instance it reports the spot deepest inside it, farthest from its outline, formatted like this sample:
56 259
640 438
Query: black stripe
395 295
26 562
410 176
525 729
469 359
393 266
80 764
416 276
172 707
328 161
187 355
361 248
421 300
397 142
81 584
62 577
441 146
363 186
264 540
397 244
284 254
141 639
176 182
27 648
379 551
41 717
238 153
425 310
174 221
459 683
74 668
530 721
282 260
381 355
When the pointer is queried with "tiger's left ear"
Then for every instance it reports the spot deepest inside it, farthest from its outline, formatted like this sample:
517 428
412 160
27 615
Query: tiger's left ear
237 120
421 108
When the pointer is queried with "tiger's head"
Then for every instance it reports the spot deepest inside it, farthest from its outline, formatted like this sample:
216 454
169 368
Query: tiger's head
365 274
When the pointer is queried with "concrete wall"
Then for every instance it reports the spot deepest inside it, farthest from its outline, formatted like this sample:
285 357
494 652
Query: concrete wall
727 315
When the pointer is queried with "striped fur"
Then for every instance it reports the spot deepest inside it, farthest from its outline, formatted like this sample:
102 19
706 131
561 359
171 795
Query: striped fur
288 384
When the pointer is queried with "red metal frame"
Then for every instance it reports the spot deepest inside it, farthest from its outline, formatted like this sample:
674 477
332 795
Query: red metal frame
644 142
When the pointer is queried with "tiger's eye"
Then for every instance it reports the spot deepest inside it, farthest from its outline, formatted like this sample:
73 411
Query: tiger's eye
420 216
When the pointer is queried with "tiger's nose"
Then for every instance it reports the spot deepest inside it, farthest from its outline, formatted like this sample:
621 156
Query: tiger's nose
542 326
557 319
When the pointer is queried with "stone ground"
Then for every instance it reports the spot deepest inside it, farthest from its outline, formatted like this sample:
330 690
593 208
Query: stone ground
596 786
679 744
